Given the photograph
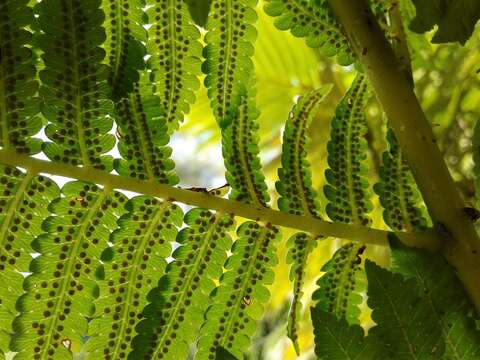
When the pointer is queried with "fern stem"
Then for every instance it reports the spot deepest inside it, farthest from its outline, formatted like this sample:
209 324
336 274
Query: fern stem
461 245
427 239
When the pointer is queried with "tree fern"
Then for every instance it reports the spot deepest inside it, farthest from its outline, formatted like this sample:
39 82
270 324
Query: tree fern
297 194
74 83
88 272
346 192
228 65
314 21
175 57
124 21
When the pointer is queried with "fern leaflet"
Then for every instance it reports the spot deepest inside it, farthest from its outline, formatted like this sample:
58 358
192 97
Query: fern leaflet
401 316
23 205
240 152
175 57
445 297
341 284
60 290
336 339
346 192
315 22
238 301
74 83
143 136
182 296
18 85
131 269
297 194
124 30
228 65
398 192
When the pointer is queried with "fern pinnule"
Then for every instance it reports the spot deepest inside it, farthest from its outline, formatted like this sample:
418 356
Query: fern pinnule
403 210
18 84
61 288
348 201
173 43
315 22
125 35
228 66
143 136
23 206
241 155
297 194
238 302
340 286
131 268
177 305
74 90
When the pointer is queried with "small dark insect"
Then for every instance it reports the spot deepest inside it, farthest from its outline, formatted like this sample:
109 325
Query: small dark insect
471 213
364 51
478 71
247 300
198 189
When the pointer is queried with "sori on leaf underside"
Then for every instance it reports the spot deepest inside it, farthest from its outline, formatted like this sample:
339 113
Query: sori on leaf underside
136 277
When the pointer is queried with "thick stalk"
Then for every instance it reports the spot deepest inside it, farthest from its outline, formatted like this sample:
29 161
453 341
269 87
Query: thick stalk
427 239
461 245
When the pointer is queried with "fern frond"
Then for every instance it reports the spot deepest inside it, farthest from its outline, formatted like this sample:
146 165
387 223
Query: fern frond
18 85
238 302
182 296
228 65
398 192
173 43
24 198
315 22
60 291
124 20
241 154
143 136
132 267
74 83
348 202
297 194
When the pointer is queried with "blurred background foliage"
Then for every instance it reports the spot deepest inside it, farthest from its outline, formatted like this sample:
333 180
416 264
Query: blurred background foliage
447 83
